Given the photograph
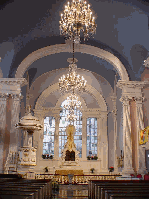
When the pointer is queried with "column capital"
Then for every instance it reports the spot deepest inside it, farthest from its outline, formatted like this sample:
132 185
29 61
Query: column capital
130 84
11 86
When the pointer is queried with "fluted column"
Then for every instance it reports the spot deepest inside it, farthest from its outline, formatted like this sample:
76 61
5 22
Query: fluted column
9 87
104 142
140 125
14 133
56 137
2 127
113 98
132 114
127 139
84 141
38 135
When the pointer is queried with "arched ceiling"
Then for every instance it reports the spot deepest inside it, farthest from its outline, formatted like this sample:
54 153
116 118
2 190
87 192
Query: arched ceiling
122 30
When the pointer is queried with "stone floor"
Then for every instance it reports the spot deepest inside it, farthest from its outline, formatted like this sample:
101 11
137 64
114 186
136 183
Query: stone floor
71 191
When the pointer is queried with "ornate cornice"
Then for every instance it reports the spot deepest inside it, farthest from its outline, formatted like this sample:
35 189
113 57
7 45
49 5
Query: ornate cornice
12 95
130 84
127 98
13 81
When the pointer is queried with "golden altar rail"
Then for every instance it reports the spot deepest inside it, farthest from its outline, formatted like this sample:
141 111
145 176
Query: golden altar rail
77 179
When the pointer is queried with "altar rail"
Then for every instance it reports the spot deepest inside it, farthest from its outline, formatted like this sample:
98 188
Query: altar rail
77 179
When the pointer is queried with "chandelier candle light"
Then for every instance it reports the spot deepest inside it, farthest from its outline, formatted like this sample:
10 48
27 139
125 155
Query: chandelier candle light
72 81
76 19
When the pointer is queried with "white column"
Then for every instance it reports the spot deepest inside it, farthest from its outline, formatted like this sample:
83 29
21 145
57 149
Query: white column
56 137
84 141
131 90
104 142
113 98
127 140
38 135
14 133
140 126
2 128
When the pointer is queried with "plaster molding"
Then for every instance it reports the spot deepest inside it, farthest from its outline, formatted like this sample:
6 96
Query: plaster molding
130 84
11 86
52 88
12 81
83 48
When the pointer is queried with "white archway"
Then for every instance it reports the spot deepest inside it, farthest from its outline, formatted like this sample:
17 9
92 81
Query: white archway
99 98
83 48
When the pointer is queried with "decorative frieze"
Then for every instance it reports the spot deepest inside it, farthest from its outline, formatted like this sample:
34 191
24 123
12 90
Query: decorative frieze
130 84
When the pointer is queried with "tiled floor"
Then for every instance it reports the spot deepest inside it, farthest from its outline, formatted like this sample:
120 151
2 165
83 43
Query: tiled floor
71 191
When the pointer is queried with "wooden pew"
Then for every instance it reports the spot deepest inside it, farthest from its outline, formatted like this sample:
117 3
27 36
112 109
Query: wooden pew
18 195
119 188
109 193
95 186
40 188
129 196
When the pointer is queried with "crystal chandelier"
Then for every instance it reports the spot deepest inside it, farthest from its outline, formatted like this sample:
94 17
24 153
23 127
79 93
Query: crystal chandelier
72 104
72 81
77 20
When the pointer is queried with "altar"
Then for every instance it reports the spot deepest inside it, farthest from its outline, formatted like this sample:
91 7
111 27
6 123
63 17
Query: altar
66 172
70 155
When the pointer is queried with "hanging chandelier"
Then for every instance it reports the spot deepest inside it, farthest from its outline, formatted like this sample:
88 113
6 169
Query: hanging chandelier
72 104
77 21
72 81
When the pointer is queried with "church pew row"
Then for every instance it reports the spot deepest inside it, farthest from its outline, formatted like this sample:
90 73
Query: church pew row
34 189
40 189
96 188
118 188
129 196
111 193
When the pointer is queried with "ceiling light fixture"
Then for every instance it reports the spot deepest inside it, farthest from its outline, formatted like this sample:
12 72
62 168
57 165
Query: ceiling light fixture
77 21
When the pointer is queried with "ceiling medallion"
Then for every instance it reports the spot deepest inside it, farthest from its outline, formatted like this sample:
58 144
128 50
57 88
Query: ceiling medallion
77 21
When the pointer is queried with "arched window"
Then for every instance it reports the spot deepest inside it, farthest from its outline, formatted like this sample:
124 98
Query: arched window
62 129
91 136
48 140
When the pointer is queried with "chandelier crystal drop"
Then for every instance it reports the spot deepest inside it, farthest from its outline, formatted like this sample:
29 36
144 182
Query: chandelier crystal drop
72 81
72 103
77 20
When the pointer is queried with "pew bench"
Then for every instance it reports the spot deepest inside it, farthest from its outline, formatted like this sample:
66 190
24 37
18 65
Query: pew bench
40 188
96 185
108 193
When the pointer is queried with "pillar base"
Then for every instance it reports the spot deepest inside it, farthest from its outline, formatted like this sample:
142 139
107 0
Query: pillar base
142 170
127 171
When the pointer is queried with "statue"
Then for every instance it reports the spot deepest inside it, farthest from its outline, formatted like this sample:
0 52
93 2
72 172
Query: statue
70 129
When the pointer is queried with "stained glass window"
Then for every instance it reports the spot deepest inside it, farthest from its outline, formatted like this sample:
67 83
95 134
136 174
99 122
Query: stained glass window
62 129
48 140
91 136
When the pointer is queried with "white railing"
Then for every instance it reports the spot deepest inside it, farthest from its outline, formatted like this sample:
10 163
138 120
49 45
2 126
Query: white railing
77 179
